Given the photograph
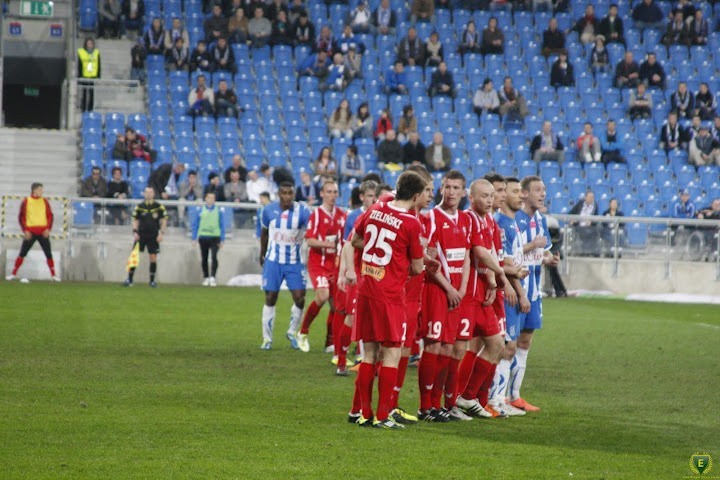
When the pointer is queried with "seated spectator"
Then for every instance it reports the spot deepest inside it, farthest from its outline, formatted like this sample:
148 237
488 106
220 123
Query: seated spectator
132 146
588 144
304 31
627 72
200 58
110 19
383 126
353 64
512 103
352 165
337 74
137 62
612 145
395 81
362 122
698 29
422 11
414 150
133 13
340 122
201 99
705 104
553 40
359 18
154 38
599 57
237 164
694 127
165 180
686 8
609 229
647 15
306 192
259 29
684 207
611 26
216 25
433 50
315 65
587 26
276 6
672 135
176 31
177 58
238 27
547 145
641 103
235 190
95 185
442 82
683 101
676 32
348 40
191 189
410 50
562 73
652 74
325 164
215 185
438 155
715 129
587 231
486 99
407 124
281 30
297 8
117 188
470 39
325 41
493 39
225 100
390 151
384 19
704 149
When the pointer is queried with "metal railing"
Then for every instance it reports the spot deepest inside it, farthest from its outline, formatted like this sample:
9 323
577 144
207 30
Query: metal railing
100 90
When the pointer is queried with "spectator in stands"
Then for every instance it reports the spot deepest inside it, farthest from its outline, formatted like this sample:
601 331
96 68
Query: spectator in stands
640 103
165 180
133 13
348 39
683 101
715 129
154 38
137 61
176 31
438 155
587 231
384 19
281 30
705 104
547 145
238 27
672 135
589 145
337 78
237 164
325 41
340 122
389 151
587 26
325 164
222 57
200 58
599 57
562 73
553 39
315 65
408 124
608 229
611 26
470 39
512 103
110 24
225 100
235 190
362 122
352 165
216 25
647 15
698 29
132 146
433 50
231 7
88 71
685 7
442 82
627 72
353 64
95 185
676 32
422 11
410 50
275 7
612 145
259 29
117 188
190 189
493 39
694 127
256 185
414 150
201 99
486 99
496 5
652 74
684 208
177 57
304 31
395 81
704 149
542 5
306 191
215 186
384 125
359 18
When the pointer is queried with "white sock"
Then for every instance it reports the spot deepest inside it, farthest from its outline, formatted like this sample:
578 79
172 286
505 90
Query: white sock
500 382
518 373
268 319
295 317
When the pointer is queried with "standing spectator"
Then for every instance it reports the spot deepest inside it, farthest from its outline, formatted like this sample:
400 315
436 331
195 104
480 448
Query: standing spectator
304 31
395 79
325 164
599 57
337 74
486 99
214 185
154 38
149 225
561 73
470 39
433 50
200 58
384 125
133 12
684 208
216 25
587 231
612 145
222 57
353 64
611 26
176 31
587 26
201 99
315 65
442 82
209 232
704 149
306 191
362 123
493 39
118 189
414 150
408 123
237 164
340 122
438 155
359 18
348 40
547 145
705 104
627 72
177 58
325 41
553 39
672 135
652 73
137 62
225 100
676 32
281 30
110 24
647 15
88 71
259 29
94 186
512 103
682 101
698 29
410 50
422 11
389 150
589 144
352 165
132 146
384 19
238 27
165 180
641 103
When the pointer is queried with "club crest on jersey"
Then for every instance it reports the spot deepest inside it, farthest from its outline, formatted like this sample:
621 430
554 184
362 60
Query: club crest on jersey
285 214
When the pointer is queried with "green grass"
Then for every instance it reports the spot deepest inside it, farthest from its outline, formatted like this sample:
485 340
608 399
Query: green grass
97 381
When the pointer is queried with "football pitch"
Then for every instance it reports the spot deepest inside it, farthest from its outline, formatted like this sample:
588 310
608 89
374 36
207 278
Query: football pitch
98 381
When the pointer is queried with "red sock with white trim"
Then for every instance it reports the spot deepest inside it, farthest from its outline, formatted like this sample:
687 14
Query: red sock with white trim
426 378
440 376
451 390
310 314
364 382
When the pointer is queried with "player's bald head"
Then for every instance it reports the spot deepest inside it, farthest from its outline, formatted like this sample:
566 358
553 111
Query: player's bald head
479 185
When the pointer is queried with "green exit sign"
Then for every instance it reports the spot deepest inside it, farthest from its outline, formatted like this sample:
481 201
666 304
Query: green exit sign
36 9
31 92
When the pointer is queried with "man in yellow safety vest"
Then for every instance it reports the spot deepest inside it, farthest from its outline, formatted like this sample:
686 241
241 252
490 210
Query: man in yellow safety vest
88 68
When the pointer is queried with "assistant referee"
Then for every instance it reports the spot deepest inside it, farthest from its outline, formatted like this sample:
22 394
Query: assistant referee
149 224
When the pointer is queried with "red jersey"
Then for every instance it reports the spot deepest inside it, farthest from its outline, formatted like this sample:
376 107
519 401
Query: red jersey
392 239
326 227
477 285
451 237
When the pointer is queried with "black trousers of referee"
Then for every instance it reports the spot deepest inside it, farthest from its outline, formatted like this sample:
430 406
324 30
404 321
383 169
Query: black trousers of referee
209 245
44 243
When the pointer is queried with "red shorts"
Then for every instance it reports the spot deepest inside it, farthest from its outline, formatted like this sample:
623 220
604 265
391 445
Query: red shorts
486 322
499 309
380 322
340 301
435 315
412 311
464 319
322 276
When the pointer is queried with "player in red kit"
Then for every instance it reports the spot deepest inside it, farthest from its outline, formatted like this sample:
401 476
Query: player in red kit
324 229
389 237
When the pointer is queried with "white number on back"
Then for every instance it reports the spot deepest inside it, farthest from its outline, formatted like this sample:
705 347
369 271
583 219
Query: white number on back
378 240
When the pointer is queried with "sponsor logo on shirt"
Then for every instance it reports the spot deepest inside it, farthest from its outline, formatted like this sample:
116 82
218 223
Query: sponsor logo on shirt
455 254
378 273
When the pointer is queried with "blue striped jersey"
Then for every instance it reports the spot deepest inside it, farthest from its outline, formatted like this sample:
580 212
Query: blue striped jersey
352 217
530 227
286 231
512 243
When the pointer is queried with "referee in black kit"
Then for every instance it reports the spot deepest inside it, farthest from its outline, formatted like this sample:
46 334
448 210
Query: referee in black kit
149 224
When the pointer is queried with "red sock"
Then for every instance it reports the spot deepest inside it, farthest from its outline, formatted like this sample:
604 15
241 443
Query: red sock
310 315
415 348
51 266
356 405
364 384
345 334
465 370
338 320
451 390
479 374
18 262
440 376
402 369
426 378
386 384
329 324
484 391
